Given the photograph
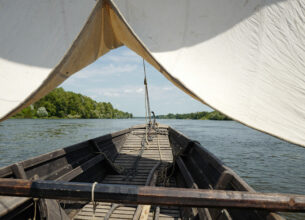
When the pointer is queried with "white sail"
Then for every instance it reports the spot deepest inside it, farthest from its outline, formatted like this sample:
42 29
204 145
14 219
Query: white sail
34 37
243 58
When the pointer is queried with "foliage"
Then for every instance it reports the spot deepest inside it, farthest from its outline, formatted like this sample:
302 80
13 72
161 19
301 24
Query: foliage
215 115
28 112
62 104
42 112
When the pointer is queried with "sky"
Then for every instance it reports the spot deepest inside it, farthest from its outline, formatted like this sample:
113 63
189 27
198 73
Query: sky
118 76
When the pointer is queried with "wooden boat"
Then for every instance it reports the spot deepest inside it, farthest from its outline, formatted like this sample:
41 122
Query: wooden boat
246 67
126 158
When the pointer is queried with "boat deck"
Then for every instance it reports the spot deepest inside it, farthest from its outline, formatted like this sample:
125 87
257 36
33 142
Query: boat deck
122 158
126 159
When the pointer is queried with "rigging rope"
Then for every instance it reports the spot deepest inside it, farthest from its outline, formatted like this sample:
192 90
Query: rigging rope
147 104
159 148
131 172
148 112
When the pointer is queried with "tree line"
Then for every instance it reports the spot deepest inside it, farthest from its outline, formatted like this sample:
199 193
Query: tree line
214 115
63 104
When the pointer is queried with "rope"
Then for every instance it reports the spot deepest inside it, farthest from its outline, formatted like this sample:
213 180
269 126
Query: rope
35 208
159 148
94 204
147 105
114 206
146 139
130 173
164 177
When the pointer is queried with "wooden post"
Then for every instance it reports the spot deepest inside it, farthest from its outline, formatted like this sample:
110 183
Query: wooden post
18 171
131 194
224 179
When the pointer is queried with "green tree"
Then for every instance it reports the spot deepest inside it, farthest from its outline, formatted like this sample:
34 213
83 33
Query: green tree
62 104
42 112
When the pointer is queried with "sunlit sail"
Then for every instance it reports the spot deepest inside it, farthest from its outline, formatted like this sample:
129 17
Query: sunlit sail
243 58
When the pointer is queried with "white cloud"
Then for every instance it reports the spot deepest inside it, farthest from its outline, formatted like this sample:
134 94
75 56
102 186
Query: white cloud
156 92
140 90
92 72
115 92
125 56
110 94
117 77
168 88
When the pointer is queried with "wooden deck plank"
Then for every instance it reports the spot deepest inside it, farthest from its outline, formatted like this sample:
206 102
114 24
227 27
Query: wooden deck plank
126 159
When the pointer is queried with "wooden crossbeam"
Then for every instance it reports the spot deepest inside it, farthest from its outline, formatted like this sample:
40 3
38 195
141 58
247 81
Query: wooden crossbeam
131 194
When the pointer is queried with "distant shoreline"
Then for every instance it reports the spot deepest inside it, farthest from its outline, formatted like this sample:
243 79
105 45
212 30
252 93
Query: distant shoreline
34 118
214 115
61 104
14 118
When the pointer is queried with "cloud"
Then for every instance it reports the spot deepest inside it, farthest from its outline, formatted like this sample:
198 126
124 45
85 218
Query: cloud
134 90
156 92
110 94
140 90
167 88
116 92
117 77
124 56
93 72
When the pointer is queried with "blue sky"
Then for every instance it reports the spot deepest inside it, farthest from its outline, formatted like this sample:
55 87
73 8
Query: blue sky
117 77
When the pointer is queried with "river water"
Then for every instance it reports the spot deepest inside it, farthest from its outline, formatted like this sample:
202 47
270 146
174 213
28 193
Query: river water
266 163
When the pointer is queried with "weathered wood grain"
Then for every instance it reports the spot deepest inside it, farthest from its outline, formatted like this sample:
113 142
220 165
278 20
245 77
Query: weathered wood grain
152 195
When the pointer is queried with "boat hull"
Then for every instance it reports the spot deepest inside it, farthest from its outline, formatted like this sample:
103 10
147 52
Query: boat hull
163 158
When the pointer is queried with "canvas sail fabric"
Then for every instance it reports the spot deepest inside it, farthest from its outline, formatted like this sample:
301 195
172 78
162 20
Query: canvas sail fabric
42 43
243 58
34 37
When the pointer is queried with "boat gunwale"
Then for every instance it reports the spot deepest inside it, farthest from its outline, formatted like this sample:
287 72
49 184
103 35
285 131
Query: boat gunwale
185 143
47 157
236 182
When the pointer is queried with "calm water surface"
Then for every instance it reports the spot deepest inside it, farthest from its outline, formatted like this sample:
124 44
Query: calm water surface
266 163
